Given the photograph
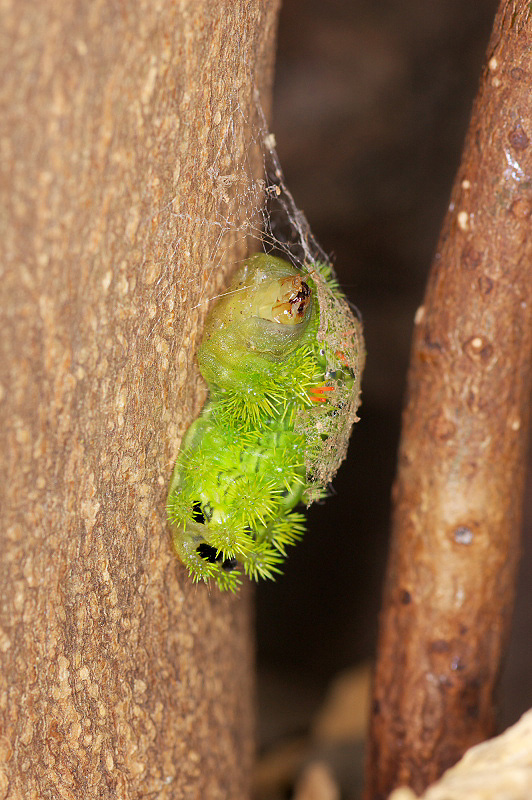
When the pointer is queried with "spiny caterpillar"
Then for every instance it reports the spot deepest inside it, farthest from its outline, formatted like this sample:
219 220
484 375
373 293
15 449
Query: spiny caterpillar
282 355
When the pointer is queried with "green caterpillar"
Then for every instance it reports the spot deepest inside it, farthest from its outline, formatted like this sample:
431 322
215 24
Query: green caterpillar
282 355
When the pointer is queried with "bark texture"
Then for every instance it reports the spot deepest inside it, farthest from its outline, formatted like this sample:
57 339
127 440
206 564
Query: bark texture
458 495
120 123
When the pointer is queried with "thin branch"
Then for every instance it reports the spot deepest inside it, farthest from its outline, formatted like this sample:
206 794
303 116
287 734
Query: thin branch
455 542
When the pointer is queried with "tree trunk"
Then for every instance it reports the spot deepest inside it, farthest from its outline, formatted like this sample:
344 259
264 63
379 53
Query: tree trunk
125 144
458 496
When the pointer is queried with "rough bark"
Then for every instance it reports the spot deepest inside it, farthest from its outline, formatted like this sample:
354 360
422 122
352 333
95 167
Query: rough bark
458 495
119 678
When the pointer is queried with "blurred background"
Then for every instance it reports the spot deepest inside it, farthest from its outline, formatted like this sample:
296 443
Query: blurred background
371 105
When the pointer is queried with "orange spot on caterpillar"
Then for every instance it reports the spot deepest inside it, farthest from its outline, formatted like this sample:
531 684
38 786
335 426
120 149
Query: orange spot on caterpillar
341 357
316 393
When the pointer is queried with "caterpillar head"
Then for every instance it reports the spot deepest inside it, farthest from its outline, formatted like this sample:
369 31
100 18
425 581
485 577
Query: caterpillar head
267 313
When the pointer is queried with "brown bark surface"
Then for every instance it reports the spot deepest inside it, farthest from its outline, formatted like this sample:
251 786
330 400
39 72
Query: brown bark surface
119 678
458 495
